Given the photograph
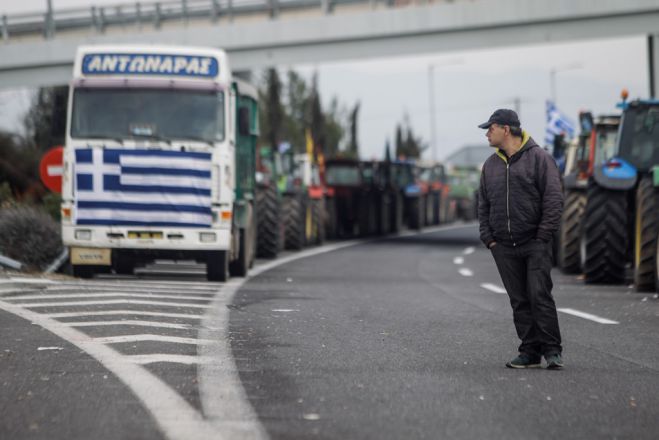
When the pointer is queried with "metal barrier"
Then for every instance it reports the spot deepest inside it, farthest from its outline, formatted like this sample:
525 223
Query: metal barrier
154 14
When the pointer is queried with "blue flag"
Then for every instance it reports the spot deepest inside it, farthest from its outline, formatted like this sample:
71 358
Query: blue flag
557 123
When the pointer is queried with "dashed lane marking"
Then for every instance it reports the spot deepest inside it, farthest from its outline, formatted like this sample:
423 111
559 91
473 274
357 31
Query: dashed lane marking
470 250
122 312
465 272
494 288
131 322
151 338
588 316
458 260
113 301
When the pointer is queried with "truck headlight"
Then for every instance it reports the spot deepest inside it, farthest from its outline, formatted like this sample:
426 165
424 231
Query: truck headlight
83 234
207 237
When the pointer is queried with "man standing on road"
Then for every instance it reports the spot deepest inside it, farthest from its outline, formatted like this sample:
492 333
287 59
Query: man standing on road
519 208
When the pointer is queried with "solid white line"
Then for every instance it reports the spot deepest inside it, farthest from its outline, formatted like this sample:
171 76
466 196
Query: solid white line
108 295
465 272
458 260
131 322
143 359
585 315
113 301
494 288
177 419
27 280
151 338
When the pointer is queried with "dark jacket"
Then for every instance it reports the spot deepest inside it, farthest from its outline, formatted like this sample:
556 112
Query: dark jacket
520 198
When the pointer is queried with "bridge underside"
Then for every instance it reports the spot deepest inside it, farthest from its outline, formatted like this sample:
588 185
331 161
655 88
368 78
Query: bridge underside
355 34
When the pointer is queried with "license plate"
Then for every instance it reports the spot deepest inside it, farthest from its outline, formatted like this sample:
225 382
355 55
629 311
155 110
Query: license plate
91 256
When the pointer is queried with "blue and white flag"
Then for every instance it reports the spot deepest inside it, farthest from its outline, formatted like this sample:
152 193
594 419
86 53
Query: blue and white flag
557 123
142 188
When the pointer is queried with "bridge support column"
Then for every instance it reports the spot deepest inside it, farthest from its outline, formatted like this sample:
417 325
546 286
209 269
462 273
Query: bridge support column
653 64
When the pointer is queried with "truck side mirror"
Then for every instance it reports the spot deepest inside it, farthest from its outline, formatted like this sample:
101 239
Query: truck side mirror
243 121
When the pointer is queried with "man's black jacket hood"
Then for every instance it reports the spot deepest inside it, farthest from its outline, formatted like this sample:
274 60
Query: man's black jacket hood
520 198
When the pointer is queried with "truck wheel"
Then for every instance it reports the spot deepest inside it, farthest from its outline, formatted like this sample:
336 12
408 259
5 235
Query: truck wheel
604 236
217 266
268 220
569 259
645 236
83 271
240 266
295 224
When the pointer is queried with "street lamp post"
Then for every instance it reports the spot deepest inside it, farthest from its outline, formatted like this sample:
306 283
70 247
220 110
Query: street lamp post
431 99
552 77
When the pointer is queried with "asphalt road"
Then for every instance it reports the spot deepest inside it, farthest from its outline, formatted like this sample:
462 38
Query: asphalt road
389 339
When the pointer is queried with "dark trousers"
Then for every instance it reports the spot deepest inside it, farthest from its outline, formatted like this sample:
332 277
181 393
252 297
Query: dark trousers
526 274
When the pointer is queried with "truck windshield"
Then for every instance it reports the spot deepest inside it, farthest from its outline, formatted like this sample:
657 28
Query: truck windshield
342 175
639 137
148 113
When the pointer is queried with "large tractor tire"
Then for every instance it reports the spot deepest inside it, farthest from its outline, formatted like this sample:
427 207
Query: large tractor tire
217 266
397 212
416 213
645 236
569 241
295 221
268 221
604 237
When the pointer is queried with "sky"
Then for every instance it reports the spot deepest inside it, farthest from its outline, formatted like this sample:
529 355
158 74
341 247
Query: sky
468 86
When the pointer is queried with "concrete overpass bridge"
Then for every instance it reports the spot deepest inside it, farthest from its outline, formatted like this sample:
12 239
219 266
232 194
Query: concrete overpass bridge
38 50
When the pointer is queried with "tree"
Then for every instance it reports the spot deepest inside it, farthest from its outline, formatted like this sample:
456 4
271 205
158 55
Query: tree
272 110
407 144
353 147
45 121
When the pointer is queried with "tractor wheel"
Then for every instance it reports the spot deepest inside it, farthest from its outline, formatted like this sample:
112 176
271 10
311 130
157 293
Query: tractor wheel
318 220
604 236
396 212
645 236
268 220
294 221
569 259
217 266
416 210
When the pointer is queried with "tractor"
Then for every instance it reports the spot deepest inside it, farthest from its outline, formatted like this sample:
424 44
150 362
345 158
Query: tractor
620 219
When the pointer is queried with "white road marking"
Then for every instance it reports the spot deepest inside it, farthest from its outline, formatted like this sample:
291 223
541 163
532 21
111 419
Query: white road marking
143 359
122 312
588 316
151 338
49 348
173 414
494 288
285 310
131 322
108 295
465 272
27 281
458 260
470 250
112 301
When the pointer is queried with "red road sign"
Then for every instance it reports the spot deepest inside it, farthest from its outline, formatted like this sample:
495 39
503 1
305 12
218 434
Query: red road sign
50 169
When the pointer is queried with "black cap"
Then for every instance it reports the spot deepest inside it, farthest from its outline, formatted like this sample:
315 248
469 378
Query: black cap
503 116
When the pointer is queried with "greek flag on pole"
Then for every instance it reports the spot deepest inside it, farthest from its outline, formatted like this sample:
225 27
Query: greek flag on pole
142 188
557 123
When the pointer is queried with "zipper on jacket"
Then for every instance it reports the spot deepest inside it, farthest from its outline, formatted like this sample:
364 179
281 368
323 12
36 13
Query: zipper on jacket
508 201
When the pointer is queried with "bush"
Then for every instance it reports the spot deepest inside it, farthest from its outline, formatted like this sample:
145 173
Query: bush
29 235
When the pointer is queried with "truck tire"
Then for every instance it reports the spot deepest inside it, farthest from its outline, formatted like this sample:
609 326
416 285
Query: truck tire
83 271
268 219
294 220
569 259
240 266
645 236
604 236
217 266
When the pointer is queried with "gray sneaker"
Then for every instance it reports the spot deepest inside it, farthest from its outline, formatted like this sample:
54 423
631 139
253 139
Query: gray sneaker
554 361
524 361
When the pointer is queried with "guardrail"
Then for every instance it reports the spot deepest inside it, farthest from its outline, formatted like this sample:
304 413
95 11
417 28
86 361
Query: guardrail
97 19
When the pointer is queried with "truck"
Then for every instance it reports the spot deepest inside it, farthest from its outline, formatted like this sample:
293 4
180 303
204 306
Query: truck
620 219
159 160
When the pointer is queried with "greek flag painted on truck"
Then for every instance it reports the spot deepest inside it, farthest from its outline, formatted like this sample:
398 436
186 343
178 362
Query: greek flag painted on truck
142 188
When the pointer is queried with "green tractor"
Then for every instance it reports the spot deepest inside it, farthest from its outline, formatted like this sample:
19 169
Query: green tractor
620 219
464 183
